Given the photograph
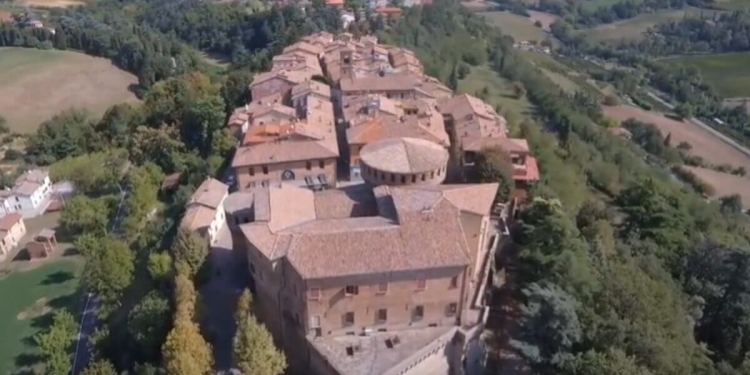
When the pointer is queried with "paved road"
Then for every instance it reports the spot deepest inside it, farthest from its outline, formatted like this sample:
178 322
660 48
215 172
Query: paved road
706 127
89 322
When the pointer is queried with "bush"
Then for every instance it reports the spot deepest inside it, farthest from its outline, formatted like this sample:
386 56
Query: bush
611 100
12 154
699 185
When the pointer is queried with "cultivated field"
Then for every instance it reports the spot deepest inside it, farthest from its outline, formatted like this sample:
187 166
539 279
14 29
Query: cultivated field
705 144
37 84
519 27
729 73
725 183
633 28
29 300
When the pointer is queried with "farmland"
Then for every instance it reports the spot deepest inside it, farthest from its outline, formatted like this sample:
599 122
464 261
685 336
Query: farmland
37 84
633 28
519 27
704 144
29 300
729 73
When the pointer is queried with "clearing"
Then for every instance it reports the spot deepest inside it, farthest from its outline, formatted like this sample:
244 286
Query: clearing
519 27
546 19
713 150
37 84
728 73
633 28
725 183
29 300
499 92
51 3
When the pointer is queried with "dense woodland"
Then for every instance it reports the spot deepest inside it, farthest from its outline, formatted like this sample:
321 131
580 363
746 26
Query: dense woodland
622 270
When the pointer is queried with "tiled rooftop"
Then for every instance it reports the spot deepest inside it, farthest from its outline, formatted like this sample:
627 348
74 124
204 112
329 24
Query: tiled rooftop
404 155
371 355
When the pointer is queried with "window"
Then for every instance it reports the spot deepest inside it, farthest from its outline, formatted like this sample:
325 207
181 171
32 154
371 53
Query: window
432 175
421 284
322 164
423 177
265 169
454 282
382 316
382 288
351 290
348 319
251 171
403 179
393 178
414 178
314 294
315 321
308 165
452 309
418 312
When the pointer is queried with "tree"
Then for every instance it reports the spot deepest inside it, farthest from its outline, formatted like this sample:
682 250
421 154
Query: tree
185 351
494 165
254 351
518 90
684 110
549 324
100 367
731 203
611 362
453 79
56 344
611 100
109 269
538 24
668 140
159 265
148 322
85 215
189 252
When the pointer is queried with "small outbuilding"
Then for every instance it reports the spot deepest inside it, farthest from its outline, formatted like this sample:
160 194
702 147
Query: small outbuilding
43 244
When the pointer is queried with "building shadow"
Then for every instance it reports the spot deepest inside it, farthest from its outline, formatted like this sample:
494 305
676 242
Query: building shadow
58 277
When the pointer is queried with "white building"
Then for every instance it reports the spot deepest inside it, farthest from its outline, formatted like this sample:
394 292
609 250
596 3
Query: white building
205 210
31 190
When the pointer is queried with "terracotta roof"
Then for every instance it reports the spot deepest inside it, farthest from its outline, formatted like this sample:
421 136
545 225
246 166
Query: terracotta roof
210 193
529 173
34 175
311 87
28 183
304 47
388 10
26 188
321 38
391 82
292 76
473 117
376 129
510 145
404 155
197 217
171 181
304 143
369 106
401 228
8 221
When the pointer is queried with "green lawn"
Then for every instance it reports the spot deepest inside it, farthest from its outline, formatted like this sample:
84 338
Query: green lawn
633 28
28 301
519 27
499 93
729 74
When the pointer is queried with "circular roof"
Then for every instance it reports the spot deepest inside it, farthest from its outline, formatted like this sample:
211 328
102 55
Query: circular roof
404 155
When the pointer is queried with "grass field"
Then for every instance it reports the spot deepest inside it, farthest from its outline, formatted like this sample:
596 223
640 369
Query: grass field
633 28
519 27
729 73
733 4
37 84
28 302
500 92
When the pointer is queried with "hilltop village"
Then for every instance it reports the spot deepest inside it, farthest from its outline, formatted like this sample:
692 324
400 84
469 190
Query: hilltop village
366 256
